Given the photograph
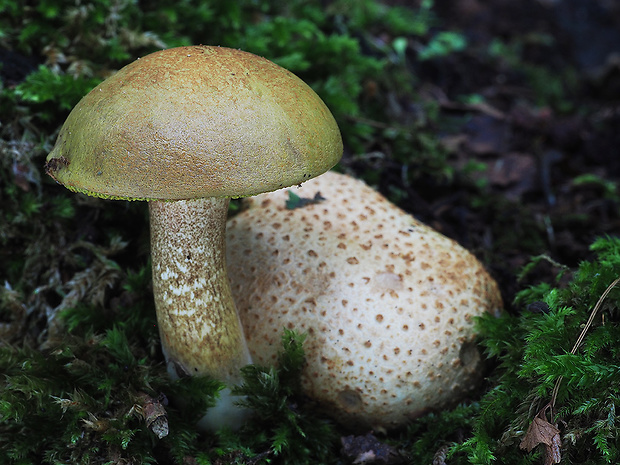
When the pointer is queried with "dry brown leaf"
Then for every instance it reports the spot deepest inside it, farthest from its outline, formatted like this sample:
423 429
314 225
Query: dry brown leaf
542 432
440 456
154 414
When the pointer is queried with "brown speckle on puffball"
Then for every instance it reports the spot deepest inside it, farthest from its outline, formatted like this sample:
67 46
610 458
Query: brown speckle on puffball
387 302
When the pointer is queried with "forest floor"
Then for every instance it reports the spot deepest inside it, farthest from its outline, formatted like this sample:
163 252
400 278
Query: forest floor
519 157
552 169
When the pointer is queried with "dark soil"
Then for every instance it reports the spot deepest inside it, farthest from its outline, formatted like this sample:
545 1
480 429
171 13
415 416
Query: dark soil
535 153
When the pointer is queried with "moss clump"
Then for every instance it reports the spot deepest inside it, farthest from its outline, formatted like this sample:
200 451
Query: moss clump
532 351
286 426
97 399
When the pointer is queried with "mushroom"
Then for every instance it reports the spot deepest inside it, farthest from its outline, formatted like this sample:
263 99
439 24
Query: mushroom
388 303
186 129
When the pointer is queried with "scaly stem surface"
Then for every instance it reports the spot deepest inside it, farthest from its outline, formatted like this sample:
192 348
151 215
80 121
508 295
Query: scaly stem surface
198 321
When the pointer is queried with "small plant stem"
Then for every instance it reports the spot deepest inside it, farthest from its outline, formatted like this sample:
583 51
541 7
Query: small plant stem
580 339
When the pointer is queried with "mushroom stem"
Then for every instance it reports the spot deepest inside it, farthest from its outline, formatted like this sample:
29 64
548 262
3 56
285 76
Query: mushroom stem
198 321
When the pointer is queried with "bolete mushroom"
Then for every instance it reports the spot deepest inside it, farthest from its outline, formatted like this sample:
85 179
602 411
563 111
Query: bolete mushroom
388 303
186 129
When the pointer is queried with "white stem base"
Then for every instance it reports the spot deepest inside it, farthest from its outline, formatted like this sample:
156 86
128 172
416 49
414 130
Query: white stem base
198 323
225 414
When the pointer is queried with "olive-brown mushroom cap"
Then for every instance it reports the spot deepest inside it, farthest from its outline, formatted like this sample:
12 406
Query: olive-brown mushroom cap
192 122
388 303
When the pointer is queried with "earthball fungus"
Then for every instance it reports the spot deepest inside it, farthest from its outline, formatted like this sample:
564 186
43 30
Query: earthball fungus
186 129
387 302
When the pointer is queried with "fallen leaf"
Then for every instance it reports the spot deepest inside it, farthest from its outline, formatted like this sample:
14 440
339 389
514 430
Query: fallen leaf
487 135
542 432
154 414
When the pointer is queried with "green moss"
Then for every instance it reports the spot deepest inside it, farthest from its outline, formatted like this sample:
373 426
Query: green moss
63 90
78 403
532 352
286 426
